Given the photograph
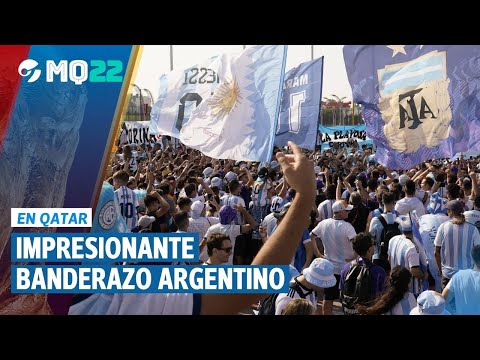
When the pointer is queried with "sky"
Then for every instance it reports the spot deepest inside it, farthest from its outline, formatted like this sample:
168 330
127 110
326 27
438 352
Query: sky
155 61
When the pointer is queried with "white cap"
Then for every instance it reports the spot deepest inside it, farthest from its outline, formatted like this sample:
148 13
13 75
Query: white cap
341 205
402 180
216 181
230 176
145 220
207 172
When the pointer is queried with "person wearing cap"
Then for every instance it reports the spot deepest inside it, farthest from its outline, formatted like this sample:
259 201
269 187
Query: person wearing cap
404 251
410 202
430 303
462 293
199 223
207 172
336 235
144 223
270 221
217 183
318 276
396 299
454 241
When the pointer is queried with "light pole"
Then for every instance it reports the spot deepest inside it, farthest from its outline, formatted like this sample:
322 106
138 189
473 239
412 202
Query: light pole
171 57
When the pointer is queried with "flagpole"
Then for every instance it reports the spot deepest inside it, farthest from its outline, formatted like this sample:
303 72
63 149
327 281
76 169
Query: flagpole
244 47
312 50
353 112
171 57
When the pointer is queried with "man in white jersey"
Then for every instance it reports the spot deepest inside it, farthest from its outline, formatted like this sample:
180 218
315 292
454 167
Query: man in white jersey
336 236
454 241
125 198
428 227
473 216
234 199
410 202
403 251
199 223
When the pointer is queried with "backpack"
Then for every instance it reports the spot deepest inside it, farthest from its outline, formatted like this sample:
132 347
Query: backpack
267 305
357 288
389 231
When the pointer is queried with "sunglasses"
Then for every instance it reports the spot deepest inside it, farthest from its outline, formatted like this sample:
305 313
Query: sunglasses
227 250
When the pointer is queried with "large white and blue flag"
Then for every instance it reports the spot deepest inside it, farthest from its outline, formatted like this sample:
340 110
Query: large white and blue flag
179 93
419 102
300 107
239 120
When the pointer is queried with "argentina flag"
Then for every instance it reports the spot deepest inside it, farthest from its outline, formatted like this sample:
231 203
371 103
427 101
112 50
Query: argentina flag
108 217
300 107
179 93
239 119
420 102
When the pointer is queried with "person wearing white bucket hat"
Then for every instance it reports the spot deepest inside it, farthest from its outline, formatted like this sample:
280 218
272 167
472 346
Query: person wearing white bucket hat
319 275
430 303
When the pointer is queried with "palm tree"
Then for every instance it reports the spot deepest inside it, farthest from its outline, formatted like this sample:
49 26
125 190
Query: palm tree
337 102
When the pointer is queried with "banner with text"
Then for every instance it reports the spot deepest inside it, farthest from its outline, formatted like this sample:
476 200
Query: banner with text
343 136
137 132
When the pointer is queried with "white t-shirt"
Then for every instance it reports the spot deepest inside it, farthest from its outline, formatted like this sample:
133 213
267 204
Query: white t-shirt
269 223
232 231
472 216
200 226
231 200
404 306
407 204
336 236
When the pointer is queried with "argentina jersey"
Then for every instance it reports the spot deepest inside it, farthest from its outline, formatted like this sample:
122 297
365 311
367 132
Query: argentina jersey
260 193
456 242
128 203
403 252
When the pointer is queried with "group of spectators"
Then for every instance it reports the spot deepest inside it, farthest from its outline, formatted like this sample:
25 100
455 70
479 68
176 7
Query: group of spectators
414 233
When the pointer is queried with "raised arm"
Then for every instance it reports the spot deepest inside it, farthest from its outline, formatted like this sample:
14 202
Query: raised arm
281 246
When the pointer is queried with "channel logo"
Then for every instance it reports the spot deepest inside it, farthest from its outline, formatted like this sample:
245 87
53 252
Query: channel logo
76 71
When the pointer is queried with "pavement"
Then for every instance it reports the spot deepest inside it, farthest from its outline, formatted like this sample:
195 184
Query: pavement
337 309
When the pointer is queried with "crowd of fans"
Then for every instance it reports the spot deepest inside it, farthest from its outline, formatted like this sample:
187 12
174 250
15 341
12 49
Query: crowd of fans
408 239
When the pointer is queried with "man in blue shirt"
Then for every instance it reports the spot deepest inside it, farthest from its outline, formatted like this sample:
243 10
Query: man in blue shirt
462 293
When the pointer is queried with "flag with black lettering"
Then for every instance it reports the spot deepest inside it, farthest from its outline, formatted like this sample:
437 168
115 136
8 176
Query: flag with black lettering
300 107
419 102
